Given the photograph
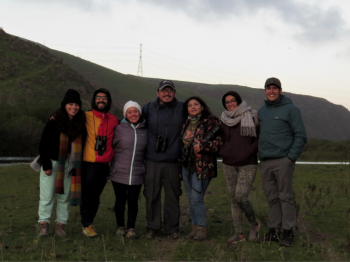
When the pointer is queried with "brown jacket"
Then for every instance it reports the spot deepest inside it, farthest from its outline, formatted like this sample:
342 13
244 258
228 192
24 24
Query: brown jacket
237 150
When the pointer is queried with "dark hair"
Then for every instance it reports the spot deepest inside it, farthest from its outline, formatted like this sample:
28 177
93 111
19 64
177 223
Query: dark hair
72 128
232 93
205 112
109 103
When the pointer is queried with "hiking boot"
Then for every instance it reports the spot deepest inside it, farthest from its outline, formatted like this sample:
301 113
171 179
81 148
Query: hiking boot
44 229
254 232
193 232
59 231
89 231
131 233
201 233
273 235
151 233
121 231
287 239
174 235
237 237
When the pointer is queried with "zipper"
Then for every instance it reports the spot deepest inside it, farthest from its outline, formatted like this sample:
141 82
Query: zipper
133 153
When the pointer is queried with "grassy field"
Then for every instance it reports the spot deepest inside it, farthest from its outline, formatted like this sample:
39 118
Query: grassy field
323 207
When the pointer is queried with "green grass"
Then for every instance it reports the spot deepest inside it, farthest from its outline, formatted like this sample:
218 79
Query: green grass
326 150
322 198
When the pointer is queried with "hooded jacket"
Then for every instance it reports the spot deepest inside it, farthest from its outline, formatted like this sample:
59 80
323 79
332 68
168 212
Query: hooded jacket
282 131
102 124
129 143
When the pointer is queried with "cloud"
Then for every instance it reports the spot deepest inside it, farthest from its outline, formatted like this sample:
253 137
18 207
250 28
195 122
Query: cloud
314 23
83 5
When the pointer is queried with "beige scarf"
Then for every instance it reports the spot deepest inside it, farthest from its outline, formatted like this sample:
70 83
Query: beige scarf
242 114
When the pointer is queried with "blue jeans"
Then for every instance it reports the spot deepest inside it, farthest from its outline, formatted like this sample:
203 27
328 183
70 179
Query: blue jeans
195 193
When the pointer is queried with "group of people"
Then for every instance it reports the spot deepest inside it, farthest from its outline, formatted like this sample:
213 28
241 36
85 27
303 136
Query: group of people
163 144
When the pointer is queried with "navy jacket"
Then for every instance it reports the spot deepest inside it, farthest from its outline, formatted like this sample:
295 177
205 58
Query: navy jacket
166 122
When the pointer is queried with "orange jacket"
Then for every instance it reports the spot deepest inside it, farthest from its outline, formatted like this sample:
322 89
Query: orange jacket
103 124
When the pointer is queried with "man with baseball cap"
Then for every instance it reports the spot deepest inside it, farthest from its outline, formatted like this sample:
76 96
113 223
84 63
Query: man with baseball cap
281 141
164 120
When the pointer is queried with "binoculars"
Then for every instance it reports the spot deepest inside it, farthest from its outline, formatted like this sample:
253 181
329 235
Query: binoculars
100 145
161 144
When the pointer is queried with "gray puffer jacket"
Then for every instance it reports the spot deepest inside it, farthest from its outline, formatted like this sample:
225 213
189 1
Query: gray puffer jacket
129 143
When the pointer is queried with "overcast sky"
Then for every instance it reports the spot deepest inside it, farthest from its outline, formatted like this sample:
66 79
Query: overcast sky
306 44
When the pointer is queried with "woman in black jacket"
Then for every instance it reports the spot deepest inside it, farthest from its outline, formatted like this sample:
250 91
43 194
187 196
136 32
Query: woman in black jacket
239 125
60 154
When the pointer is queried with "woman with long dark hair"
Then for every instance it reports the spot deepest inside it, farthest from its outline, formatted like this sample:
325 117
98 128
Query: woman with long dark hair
199 143
60 154
240 132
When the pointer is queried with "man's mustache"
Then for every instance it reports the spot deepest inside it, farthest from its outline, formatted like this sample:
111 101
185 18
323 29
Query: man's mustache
101 103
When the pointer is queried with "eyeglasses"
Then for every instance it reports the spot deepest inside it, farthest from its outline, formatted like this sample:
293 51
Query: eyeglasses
229 102
101 98
170 91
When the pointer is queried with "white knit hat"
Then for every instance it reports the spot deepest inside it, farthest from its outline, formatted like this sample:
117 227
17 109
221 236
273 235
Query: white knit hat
131 104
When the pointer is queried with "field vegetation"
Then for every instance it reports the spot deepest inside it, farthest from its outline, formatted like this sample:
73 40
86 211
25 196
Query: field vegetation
323 215
326 150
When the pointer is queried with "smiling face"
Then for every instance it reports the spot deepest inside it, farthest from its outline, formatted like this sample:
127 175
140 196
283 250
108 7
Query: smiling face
166 95
194 108
273 93
231 103
101 100
133 115
72 109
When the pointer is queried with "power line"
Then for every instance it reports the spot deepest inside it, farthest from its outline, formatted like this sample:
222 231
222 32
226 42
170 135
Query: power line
139 70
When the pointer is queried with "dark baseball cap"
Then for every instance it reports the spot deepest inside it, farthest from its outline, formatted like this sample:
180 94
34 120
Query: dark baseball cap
164 83
273 81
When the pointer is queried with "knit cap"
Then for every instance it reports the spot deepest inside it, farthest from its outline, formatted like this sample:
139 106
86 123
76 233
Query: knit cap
71 96
131 104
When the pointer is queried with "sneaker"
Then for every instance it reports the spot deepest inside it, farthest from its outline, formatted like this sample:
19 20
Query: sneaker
44 229
237 237
287 239
131 233
151 233
59 231
174 235
273 235
121 231
254 232
89 231
201 233
193 232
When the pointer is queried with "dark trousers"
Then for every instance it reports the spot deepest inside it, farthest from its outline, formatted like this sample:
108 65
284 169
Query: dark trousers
93 180
125 193
277 182
160 174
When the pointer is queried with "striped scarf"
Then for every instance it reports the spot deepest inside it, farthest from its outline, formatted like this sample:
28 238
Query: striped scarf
75 168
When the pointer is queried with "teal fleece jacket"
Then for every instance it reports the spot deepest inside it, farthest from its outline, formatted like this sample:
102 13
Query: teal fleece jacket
282 131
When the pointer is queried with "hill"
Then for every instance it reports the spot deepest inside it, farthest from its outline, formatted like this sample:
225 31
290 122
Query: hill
33 80
32 85
318 113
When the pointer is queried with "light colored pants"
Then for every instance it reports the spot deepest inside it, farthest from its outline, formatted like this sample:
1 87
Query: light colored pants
47 192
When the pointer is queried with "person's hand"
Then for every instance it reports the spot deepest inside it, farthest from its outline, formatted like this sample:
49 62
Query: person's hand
290 161
196 148
48 172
